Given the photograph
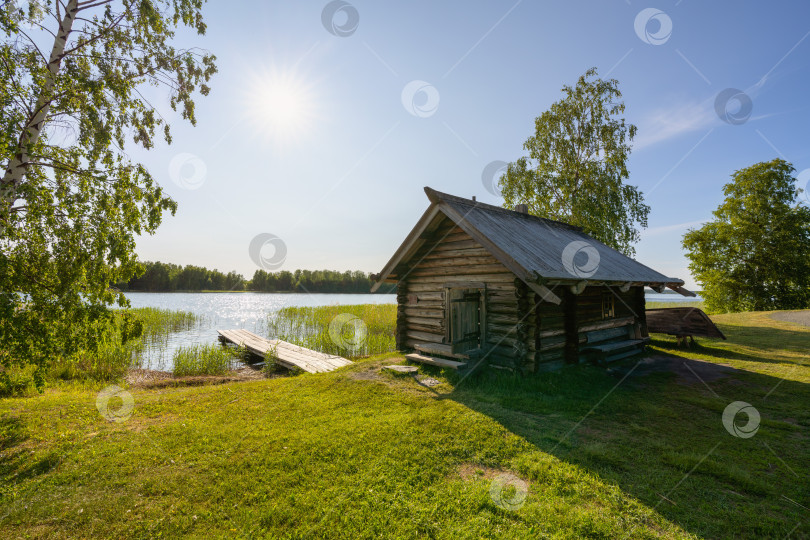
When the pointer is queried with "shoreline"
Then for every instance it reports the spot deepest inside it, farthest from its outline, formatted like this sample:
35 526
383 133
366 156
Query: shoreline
257 292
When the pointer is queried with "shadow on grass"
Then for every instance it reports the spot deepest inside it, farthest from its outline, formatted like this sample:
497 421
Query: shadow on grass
17 463
712 350
768 340
654 427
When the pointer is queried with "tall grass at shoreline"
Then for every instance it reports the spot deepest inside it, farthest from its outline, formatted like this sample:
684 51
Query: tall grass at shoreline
210 359
116 352
159 324
164 321
351 331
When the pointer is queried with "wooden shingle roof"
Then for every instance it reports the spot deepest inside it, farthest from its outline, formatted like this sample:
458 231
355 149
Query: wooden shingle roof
537 250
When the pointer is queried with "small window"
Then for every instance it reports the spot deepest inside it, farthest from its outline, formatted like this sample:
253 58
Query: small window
608 306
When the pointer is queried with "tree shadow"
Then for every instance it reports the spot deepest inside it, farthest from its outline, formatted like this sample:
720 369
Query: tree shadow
654 427
17 461
712 350
770 340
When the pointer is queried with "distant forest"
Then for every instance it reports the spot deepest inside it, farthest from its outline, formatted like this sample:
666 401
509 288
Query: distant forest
167 277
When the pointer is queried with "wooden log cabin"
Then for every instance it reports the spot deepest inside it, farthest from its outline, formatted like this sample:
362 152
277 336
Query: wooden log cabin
482 285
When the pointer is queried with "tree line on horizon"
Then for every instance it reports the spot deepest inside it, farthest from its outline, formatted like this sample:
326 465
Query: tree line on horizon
167 277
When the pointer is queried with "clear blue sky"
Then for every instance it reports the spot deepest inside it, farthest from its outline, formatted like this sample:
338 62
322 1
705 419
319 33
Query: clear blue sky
305 135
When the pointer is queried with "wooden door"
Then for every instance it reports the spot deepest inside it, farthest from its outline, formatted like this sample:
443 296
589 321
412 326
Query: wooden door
465 319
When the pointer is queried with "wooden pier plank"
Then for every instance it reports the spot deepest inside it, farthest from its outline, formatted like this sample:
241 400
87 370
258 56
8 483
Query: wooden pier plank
286 354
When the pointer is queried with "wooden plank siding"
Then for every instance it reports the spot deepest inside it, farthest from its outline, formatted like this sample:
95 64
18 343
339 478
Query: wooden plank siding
450 256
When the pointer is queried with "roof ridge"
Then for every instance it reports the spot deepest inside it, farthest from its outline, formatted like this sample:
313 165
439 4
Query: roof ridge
437 196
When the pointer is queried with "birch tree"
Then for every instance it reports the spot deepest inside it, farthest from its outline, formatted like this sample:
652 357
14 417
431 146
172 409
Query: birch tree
70 211
576 168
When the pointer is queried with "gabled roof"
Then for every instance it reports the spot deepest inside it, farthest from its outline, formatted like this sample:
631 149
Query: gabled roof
535 249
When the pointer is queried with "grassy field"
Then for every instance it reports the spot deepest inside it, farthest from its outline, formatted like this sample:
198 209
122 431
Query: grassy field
636 451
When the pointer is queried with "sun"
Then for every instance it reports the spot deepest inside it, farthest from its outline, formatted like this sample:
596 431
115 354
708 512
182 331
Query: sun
283 105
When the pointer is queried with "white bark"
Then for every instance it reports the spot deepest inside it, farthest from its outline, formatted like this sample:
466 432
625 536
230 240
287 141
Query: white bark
17 165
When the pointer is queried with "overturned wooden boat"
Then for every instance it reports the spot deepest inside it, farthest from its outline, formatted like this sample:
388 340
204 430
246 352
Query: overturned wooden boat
682 322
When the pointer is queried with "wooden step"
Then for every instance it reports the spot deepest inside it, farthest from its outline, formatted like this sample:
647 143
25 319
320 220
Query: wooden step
598 336
617 345
441 362
440 349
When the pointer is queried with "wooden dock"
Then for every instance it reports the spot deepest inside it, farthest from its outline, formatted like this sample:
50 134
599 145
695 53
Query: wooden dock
286 354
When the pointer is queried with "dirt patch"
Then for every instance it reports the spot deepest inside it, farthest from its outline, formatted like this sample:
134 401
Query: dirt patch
371 370
147 378
595 434
796 317
365 375
472 471
687 371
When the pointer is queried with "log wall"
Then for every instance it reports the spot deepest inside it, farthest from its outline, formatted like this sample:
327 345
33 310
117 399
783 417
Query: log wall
521 333
561 328
451 256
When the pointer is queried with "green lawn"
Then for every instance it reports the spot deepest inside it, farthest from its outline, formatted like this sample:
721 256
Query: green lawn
632 452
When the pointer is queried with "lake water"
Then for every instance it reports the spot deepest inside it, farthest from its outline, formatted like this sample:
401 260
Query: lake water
250 310
222 311
670 297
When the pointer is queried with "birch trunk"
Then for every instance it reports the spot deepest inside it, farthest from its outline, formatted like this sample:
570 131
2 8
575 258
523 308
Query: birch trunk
18 163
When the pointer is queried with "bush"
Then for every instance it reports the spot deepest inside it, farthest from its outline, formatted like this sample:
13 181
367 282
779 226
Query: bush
17 380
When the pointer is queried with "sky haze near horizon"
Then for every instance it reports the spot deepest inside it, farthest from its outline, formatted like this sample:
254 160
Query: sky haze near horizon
326 120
